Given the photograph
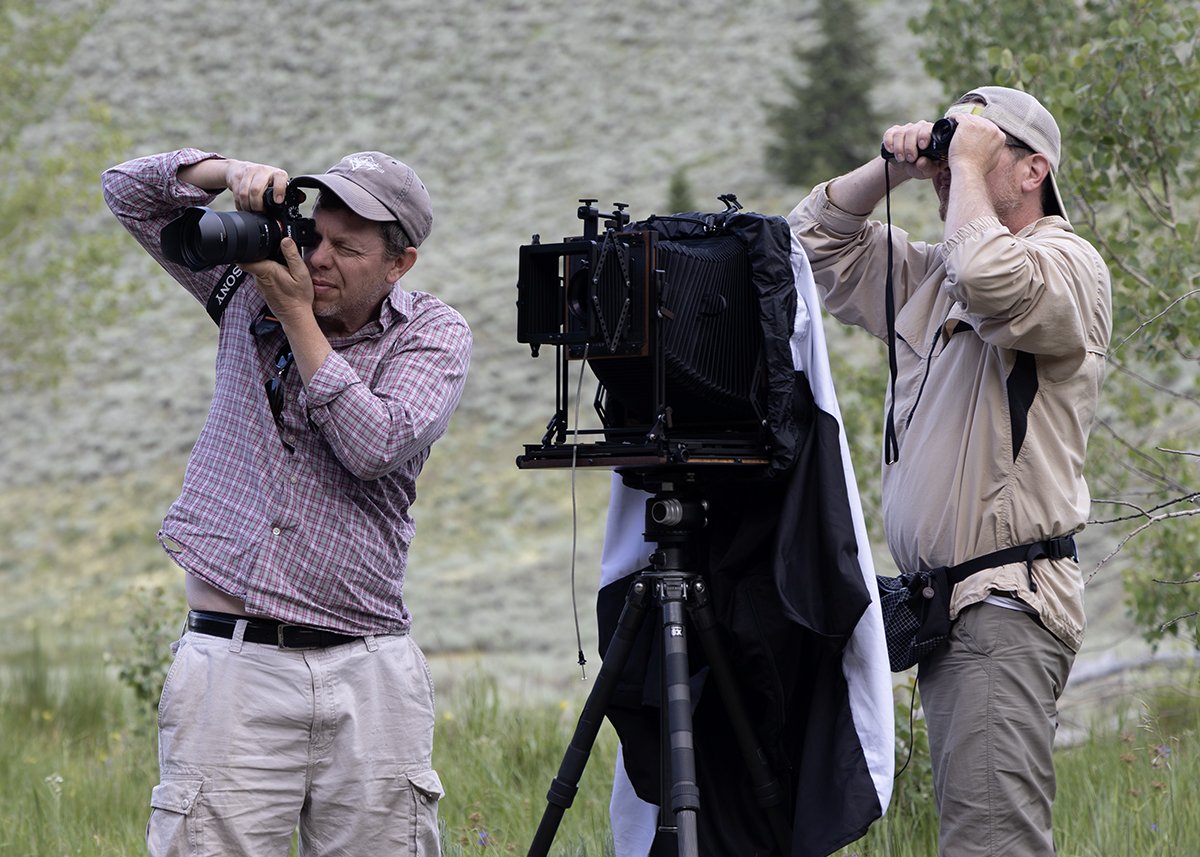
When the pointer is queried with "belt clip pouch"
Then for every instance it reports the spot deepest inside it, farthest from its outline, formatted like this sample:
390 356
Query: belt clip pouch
916 614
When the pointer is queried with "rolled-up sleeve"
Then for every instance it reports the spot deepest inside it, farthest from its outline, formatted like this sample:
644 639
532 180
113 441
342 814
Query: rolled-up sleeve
849 258
373 426
145 194
1034 296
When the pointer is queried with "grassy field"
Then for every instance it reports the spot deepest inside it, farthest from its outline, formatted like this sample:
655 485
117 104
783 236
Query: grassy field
77 762
78 759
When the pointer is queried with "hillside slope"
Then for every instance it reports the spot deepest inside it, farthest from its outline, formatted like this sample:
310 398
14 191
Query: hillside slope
510 111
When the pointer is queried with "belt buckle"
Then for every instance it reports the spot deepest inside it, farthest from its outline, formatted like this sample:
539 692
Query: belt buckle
294 637
1062 547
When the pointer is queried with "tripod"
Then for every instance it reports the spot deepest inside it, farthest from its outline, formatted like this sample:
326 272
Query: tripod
675 582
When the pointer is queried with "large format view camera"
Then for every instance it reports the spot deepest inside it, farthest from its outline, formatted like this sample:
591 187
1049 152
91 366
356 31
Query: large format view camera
683 320
686 321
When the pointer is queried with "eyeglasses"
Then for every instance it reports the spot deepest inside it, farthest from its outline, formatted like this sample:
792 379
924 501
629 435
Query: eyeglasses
1013 143
274 386
266 325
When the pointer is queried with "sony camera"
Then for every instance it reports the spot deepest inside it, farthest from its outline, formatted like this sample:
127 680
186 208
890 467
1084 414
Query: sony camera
202 238
939 142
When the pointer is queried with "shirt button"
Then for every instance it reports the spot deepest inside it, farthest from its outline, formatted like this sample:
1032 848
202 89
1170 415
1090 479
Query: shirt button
276 531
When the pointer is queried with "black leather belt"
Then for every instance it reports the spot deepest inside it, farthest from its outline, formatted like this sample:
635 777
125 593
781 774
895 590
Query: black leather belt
268 631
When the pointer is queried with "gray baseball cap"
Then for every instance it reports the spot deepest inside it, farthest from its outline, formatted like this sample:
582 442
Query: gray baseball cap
378 187
1023 116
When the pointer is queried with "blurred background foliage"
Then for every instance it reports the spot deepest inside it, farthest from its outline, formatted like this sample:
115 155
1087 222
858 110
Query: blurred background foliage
49 244
826 122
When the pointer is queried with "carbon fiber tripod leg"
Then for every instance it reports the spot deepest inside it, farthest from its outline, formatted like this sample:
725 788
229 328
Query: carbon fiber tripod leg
768 791
685 790
566 783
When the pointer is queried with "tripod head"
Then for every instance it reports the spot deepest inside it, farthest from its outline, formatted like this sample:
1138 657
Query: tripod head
674 524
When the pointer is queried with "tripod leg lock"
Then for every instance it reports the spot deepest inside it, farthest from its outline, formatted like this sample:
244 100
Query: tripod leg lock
561 793
685 797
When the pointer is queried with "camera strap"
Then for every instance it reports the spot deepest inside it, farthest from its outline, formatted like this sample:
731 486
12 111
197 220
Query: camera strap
891 449
224 290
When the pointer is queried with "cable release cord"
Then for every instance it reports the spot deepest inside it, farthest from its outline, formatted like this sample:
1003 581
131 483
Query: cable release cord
575 516
890 448
912 703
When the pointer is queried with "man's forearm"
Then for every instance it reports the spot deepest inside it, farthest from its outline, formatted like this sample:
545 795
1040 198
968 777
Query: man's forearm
859 191
208 175
970 200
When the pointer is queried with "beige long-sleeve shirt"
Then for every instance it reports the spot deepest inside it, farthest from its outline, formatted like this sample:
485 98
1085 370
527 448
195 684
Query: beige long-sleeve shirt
1000 344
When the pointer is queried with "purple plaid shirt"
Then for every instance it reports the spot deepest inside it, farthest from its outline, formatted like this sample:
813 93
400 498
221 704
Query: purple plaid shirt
307 520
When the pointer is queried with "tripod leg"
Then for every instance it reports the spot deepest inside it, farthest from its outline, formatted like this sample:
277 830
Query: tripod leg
685 792
768 791
566 784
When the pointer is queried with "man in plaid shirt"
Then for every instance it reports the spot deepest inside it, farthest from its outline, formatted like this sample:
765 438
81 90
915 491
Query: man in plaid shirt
297 695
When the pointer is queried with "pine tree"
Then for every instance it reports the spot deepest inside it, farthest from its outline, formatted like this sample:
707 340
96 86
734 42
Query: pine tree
827 125
679 192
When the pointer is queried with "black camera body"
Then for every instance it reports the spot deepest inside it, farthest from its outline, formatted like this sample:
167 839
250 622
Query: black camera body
939 142
201 238
684 320
664 312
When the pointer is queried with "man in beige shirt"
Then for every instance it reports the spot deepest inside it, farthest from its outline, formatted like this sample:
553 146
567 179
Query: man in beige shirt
1000 333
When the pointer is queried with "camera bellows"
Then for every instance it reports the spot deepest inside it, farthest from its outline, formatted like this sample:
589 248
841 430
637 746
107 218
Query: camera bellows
711 339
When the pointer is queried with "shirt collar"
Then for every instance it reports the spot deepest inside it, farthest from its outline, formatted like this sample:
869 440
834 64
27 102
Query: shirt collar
396 307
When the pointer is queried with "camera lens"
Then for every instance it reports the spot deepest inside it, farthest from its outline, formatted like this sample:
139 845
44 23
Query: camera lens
222 237
202 238
579 286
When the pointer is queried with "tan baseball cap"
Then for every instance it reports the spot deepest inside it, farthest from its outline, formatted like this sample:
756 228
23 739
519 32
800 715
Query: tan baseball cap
379 187
1023 116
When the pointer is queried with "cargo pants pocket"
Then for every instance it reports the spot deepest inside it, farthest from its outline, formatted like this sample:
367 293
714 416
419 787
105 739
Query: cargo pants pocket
174 828
426 789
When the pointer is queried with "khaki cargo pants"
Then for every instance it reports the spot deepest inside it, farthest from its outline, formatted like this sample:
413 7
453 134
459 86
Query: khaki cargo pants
255 740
